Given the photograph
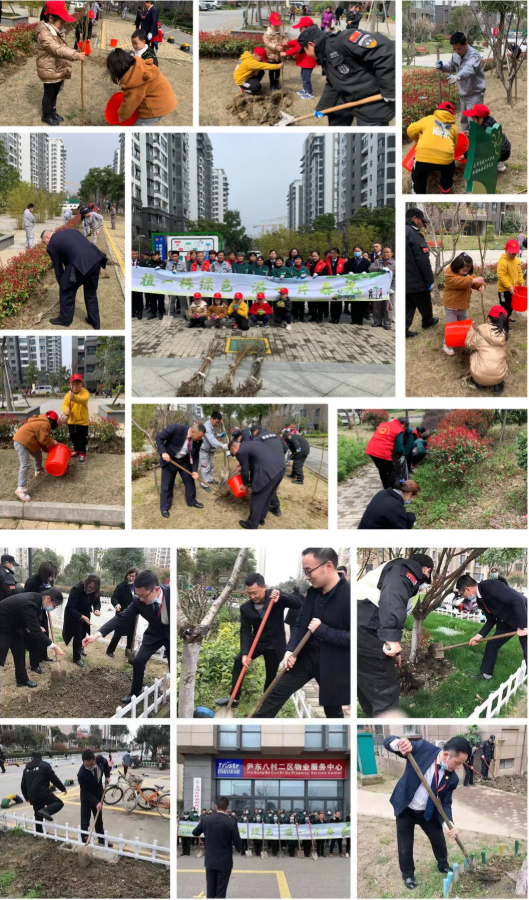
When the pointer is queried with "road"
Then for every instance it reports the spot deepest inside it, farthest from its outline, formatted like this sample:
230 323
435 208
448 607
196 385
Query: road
181 37
146 825
314 459
492 256
226 20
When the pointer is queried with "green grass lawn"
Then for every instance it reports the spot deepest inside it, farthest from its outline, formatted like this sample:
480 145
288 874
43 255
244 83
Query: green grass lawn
431 47
457 696
351 456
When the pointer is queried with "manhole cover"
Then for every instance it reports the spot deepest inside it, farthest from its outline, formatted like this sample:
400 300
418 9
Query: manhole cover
254 345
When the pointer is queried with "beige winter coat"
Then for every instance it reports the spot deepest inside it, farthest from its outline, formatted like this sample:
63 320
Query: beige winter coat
488 360
272 41
54 56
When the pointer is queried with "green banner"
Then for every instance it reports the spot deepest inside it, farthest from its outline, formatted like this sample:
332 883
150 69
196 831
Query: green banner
257 831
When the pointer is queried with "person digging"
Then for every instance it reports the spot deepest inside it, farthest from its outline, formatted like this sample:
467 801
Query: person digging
76 262
20 627
181 445
413 805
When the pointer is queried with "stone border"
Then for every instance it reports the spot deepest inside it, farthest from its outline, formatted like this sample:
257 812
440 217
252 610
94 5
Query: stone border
81 513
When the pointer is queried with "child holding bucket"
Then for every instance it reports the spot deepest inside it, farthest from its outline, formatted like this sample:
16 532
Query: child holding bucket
509 272
459 282
436 137
75 407
54 57
145 88
488 343
33 436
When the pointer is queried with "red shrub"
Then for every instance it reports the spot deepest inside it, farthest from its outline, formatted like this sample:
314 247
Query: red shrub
478 420
224 43
454 451
17 39
374 417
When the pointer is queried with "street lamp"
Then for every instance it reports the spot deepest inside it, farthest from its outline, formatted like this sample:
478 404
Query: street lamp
140 236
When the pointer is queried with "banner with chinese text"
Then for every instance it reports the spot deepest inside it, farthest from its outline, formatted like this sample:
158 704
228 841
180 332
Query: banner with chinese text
259 830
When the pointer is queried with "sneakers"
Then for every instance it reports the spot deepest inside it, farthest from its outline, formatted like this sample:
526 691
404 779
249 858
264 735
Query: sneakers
448 350
82 457
41 473
22 494
289 327
502 167
307 96
75 453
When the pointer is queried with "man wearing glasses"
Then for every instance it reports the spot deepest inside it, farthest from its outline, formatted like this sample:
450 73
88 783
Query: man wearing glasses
326 657
152 602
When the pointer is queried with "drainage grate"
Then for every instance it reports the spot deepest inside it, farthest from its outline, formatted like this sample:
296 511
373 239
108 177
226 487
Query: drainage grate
255 345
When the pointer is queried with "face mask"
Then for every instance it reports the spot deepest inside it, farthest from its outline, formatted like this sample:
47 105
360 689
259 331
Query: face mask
406 502
356 254
494 574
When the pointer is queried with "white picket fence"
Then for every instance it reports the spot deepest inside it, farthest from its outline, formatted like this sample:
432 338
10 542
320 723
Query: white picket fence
70 834
151 699
455 614
303 709
501 696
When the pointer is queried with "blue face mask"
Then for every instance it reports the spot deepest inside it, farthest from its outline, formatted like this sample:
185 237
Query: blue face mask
356 254
406 502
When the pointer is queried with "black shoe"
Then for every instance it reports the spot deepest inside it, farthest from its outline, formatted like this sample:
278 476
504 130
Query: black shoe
243 524
480 677
512 321
160 316
59 322
223 701
47 659
78 662
112 655
50 120
151 316
126 699
165 513
88 322
197 504
261 521
38 670
276 512
430 324
499 388
57 116
83 652
410 883
213 482
410 334
445 869
29 683
376 325
297 481
139 318
45 815
480 387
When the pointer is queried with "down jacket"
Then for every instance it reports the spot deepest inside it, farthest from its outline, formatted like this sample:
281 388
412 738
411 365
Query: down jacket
272 42
147 90
488 361
54 56
458 290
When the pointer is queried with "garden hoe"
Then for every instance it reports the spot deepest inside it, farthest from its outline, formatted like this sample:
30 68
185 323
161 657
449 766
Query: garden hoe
59 673
440 809
438 650
264 851
199 853
224 712
313 852
299 852
279 676
287 119
489 768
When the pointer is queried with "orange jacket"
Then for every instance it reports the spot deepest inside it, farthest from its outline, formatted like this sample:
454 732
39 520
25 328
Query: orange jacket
35 433
147 90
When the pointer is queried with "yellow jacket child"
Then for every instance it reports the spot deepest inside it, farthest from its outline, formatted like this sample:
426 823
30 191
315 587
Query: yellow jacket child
75 403
509 269
250 64
436 137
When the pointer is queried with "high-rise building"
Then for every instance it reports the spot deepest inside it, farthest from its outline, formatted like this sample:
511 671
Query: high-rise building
158 557
56 165
295 204
260 561
29 154
317 173
364 172
200 176
160 183
119 156
44 352
92 553
84 360
219 195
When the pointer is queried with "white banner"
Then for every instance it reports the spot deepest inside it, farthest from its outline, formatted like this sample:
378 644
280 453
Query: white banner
367 286
257 831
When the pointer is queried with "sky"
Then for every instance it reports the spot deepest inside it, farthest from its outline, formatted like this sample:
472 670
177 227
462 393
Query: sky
280 567
86 151
66 347
269 162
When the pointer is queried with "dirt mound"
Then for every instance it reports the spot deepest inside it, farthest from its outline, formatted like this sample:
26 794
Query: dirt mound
425 672
513 784
260 109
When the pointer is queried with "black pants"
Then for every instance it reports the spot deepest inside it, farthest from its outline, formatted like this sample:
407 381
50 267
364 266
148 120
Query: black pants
198 323
89 809
298 311
336 310
339 844
493 648
261 501
186 846
79 437
68 287
421 300
149 645
273 75
306 668
77 641
217 882
49 803
271 661
377 113
14 641
387 471
505 298
137 304
49 98
2 766
252 85
358 312
421 170
469 776
485 772
116 638
298 461
169 473
318 310
36 654
433 830
157 304
377 682
241 321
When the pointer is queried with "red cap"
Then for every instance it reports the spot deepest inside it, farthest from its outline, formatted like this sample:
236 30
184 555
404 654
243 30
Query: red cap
58 8
217 295
51 414
479 109
304 22
237 296
75 377
283 290
497 310
260 51
91 14
446 105
197 296
512 247
275 19
260 296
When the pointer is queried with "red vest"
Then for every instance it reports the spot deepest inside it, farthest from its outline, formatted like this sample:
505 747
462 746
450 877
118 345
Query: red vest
383 440
339 265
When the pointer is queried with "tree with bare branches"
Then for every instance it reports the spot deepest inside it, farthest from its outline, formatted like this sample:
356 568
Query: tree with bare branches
499 19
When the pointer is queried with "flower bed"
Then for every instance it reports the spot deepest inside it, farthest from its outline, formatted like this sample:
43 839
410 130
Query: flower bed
479 420
16 40
374 417
420 92
143 464
21 275
223 43
454 451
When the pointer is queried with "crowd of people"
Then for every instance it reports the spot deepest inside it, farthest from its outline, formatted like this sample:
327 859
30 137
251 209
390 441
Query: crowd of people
241 314
488 343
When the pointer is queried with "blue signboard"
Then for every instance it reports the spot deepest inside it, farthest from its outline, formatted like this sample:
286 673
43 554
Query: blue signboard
228 768
159 244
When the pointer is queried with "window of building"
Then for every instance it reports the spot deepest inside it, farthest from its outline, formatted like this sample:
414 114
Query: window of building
325 737
239 737
507 763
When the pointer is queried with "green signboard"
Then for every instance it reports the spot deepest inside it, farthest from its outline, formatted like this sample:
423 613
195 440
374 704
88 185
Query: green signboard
481 170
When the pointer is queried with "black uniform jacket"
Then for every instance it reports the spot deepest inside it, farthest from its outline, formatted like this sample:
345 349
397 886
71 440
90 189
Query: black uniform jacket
36 779
419 275
386 510
259 463
399 581
274 629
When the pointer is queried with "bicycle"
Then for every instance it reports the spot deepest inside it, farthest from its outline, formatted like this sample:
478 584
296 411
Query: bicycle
146 798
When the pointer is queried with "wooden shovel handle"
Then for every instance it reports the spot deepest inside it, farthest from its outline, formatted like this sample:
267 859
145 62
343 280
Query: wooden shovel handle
495 637
178 466
50 626
324 112
436 801
249 655
279 676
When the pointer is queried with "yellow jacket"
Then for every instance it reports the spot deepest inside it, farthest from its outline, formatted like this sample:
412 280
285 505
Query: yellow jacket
78 407
436 137
509 272
242 308
248 65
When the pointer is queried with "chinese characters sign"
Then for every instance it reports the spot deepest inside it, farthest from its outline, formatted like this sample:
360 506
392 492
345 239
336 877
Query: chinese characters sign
279 768
481 170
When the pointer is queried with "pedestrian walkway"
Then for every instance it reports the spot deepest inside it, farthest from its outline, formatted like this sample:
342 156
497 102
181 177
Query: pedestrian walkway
355 494
115 240
8 226
118 29
32 525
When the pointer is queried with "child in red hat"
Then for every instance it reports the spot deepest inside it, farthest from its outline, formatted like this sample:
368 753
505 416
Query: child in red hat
260 311
238 310
33 436
75 407
197 312
436 137
305 62
509 274
273 41
54 57
250 70
283 309
217 312
480 114
488 343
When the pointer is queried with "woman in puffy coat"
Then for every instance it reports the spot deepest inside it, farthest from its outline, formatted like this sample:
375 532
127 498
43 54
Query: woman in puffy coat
488 343
54 57
84 597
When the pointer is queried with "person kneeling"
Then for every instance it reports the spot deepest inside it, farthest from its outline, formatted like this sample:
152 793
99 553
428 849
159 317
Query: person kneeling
197 312
238 310
387 509
260 312
436 137
488 343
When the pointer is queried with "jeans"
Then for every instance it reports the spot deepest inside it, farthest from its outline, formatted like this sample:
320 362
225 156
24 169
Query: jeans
306 75
24 456
144 123
260 320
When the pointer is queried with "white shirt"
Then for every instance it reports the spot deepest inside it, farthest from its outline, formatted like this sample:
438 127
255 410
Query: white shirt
184 450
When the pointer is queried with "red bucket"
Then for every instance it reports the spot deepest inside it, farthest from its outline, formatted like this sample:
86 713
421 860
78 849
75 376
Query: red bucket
84 47
58 459
111 111
461 145
456 332
407 162
519 298
113 42
236 486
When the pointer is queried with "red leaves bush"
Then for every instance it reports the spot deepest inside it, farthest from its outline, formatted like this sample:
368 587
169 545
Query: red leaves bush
374 417
223 43
17 39
479 420
420 94
454 451
143 464
22 274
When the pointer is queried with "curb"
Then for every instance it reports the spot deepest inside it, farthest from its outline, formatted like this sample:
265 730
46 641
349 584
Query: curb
82 513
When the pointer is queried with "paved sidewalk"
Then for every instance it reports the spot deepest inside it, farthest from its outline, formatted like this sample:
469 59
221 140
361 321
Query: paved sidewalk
30 525
117 28
8 226
115 241
355 494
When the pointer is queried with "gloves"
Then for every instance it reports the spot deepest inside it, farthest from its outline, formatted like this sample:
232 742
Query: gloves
388 99
149 36
439 65
453 79
430 288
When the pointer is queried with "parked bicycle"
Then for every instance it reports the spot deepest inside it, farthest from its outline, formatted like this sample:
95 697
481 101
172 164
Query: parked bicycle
135 795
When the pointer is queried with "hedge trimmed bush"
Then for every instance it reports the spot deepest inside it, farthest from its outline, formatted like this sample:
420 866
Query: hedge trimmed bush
103 431
351 456
454 451
432 417
521 449
374 417
223 43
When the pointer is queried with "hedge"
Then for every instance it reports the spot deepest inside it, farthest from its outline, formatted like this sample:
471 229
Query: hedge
103 431
223 43
144 464
16 40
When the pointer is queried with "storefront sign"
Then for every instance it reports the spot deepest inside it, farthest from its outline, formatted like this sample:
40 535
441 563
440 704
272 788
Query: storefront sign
228 768
279 768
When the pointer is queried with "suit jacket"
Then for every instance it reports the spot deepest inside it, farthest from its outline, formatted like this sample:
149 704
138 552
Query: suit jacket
170 441
386 509
150 21
70 248
21 613
501 603
259 464
79 604
92 788
220 833
122 595
275 624
403 792
156 628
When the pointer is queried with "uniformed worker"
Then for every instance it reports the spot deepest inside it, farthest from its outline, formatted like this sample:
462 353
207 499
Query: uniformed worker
356 65
466 70
265 470
28 220
244 819
384 601
299 448
278 445
419 275
8 582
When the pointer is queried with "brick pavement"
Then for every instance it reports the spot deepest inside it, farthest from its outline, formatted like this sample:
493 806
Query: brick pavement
117 28
27 525
355 494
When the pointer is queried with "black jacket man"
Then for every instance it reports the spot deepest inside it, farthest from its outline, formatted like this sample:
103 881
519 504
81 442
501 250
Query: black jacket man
76 262
221 834
505 610
35 787
93 778
263 469
20 628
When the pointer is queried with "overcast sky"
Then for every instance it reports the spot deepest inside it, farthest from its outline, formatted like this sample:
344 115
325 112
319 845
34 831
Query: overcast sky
86 151
260 168
66 347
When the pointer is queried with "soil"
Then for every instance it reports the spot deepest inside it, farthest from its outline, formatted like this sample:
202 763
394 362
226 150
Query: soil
44 303
379 876
426 672
514 784
42 867
103 680
514 180
440 375
222 510
101 479
20 80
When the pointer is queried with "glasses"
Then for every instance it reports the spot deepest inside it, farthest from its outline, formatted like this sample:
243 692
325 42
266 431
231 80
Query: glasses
308 572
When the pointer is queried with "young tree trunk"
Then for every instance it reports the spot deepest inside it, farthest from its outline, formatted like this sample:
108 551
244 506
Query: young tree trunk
188 672
416 638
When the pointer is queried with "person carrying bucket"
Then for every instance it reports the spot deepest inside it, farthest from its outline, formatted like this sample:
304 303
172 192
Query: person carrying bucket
459 283
510 275
146 90
75 407
488 343
33 436
54 57
436 137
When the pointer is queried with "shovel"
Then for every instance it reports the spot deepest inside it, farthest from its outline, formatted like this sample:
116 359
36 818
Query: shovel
439 806
58 674
264 852
178 466
225 711
313 851
84 855
299 851
278 677
199 852
438 651
248 852
287 119
489 768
